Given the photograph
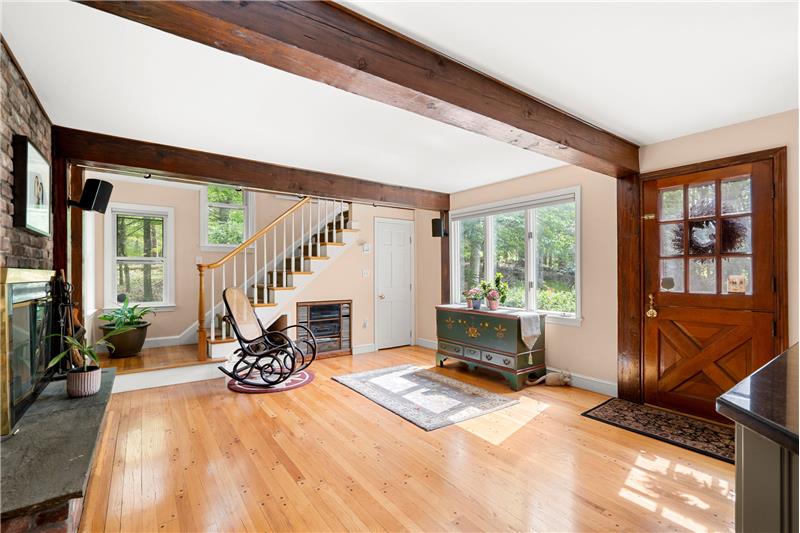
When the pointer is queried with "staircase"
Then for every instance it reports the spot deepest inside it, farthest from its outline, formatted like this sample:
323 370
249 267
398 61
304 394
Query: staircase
272 267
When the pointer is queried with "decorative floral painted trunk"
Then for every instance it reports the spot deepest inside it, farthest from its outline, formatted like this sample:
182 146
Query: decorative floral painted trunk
489 339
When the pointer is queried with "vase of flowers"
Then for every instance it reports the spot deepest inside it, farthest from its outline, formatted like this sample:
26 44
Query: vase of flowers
473 297
493 299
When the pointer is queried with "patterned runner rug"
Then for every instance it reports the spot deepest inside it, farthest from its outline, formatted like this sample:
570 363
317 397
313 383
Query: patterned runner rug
697 435
422 397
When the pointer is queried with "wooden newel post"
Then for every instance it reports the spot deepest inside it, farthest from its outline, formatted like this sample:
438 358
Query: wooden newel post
202 345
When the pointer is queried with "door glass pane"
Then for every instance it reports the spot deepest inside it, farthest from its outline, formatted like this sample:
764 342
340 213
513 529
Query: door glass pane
703 236
703 276
671 239
141 282
671 275
509 247
736 235
702 200
473 237
555 258
736 275
670 204
736 196
140 236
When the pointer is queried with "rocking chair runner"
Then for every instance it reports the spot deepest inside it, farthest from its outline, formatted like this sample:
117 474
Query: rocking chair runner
272 355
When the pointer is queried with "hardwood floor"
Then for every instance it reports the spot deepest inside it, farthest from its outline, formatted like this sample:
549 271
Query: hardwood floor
197 457
156 358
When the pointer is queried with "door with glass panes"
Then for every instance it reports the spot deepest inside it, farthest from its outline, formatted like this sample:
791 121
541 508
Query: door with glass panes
708 283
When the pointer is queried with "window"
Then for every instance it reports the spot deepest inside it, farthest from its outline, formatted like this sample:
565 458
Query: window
139 255
225 216
533 242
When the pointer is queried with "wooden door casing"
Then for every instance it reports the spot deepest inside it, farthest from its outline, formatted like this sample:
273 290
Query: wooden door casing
698 345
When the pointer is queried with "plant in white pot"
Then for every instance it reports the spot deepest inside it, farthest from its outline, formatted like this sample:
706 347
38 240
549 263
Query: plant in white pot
83 379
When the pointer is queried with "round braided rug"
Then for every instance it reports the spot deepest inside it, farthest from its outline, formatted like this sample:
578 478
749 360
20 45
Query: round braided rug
297 380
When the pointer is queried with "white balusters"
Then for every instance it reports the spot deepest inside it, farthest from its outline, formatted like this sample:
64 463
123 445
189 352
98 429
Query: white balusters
244 262
319 218
302 232
255 271
284 256
292 244
234 271
224 335
274 261
213 315
310 216
264 277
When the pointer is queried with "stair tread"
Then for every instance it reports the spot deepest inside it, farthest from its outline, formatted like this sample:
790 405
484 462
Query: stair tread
348 230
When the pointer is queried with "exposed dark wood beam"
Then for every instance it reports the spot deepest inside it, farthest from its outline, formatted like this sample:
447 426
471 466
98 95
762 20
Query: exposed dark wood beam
130 155
325 42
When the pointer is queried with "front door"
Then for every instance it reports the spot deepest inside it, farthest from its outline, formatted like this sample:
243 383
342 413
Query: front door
709 283
393 282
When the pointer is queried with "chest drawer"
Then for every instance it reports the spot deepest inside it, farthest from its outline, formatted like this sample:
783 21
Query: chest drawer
498 359
454 349
472 353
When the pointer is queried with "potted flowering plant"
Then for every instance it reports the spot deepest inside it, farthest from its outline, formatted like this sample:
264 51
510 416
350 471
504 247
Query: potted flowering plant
474 297
493 299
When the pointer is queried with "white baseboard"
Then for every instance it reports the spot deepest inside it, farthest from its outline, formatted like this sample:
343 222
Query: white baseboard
167 376
591 384
363 348
426 343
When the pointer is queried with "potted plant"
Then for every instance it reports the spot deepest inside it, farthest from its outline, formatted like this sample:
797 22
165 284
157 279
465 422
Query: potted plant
84 378
469 295
129 317
493 299
474 297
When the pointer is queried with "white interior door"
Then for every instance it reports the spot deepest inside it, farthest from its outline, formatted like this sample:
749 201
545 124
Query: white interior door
393 282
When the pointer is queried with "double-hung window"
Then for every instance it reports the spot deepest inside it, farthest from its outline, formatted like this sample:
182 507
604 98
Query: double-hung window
225 216
139 255
533 241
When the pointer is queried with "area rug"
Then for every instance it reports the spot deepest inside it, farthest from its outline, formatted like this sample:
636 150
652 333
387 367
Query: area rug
304 377
424 398
697 435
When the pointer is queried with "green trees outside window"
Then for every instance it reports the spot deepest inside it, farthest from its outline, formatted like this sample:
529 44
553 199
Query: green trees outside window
226 216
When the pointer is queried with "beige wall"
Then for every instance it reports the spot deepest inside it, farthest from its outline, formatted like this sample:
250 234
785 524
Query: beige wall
341 280
767 132
591 348
186 204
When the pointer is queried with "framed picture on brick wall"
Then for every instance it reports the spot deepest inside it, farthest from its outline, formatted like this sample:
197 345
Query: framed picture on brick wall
31 187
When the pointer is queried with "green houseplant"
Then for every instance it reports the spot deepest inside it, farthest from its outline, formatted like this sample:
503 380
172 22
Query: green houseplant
131 319
495 293
84 378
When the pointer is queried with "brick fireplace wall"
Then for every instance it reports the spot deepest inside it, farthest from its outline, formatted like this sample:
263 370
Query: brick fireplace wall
21 114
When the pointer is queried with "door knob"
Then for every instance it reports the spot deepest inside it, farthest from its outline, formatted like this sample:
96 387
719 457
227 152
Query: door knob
651 312
381 296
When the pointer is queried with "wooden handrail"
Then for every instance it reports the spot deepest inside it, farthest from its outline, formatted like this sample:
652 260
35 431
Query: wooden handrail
258 234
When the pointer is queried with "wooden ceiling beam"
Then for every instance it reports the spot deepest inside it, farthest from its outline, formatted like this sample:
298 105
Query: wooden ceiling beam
326 42
106 151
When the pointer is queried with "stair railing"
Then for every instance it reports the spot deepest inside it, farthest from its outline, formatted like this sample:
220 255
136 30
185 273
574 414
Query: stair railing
275 244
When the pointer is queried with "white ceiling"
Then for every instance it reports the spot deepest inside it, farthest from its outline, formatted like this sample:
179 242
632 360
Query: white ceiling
645 71
648 72
99 72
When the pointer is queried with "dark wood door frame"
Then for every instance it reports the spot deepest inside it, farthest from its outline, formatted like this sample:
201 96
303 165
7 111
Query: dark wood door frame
328 43
630 260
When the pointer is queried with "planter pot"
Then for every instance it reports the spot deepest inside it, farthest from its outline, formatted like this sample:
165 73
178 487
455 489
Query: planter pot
493 304
82 383
128 343
476 304
469 303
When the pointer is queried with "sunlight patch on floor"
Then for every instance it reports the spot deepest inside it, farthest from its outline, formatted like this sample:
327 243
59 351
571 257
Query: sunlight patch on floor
643 488
496 427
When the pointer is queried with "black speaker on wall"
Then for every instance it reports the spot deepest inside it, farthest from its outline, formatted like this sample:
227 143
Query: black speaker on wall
438 228
95 196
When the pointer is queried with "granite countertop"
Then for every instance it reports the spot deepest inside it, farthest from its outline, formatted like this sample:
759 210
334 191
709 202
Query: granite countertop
48 458
767 401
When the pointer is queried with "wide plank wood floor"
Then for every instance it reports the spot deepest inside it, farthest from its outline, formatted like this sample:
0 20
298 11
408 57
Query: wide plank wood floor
157 358
197 457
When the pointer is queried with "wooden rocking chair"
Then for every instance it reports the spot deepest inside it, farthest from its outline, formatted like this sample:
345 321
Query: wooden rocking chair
272 355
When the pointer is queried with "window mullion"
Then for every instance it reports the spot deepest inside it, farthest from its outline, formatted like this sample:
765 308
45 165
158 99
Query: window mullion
489 259
531 259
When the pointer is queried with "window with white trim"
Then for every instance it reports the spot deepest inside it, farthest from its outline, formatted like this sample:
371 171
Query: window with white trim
225 216
139 255
534 242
